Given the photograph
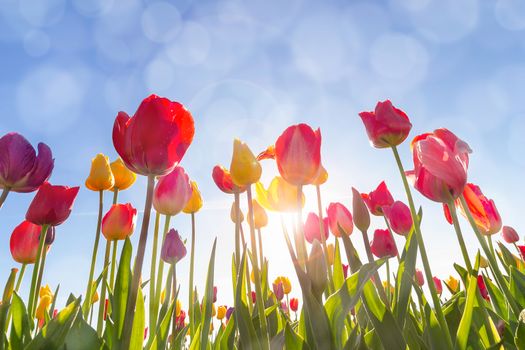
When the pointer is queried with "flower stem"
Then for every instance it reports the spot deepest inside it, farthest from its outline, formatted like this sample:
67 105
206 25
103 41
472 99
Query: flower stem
3 196
174 329
36 268
160 273
388 296
20 277
237 231
454 215
113 264
191 287
87 301
40 273
423 252
153 273
331 287
115 196
261 261
300 244
137 268
102 302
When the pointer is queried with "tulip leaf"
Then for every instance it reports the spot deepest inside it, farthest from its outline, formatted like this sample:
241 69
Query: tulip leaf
139 322
405 277
497 298
20 334
519 338
208 299
517 286
292 340
338 273
161 336
228 335
82 337
122 285
463 331
432 329
508 259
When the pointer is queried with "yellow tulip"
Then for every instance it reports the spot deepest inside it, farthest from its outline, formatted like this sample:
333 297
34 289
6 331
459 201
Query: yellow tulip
260 219
280 195
221 312
233 215
124 177
322 176
385 284
194 204
452 284
162 296
244 168
213 310
100 176
287 286
45 290
483 263
95 298
330 250
178 308
252 277
43 307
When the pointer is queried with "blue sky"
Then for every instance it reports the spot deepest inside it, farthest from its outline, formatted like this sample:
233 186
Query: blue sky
248 69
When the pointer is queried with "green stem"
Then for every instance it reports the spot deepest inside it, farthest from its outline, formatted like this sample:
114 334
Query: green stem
300 244
102 301
36 268
137 268
331 287
388 296
191 286
40 275
174 329
423 252
491 246
20 277
115 196
160 272
87 301
454 215
237 231
261 255
153 273
3 196
113 264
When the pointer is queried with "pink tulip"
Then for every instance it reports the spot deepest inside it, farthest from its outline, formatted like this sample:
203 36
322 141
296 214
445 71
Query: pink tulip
361 215
312 229
419 278
173 248
383 244
510 235
278 291
172 192
378 199
440 165
399 218
345 270
339 219
439 286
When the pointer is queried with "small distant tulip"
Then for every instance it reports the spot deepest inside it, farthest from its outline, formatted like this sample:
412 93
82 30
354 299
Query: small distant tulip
440 165
280 195
155 139
339 219
298 154
378 199
419 278
322 176
244 168
223 180
194 204
510 235
361 215
21 169
387 126
260 218
439 286
51 204
383 244
294 304
483 263
522 251
221 312
268 153
386 285
43 306
284 307
399 218
345 270
124 177
452 284
233 214
119 222
312 229
173 248
278 291
180 320
100 176
24 242
253 297
214 300
229 312
285 281
178 308
483 288
172 192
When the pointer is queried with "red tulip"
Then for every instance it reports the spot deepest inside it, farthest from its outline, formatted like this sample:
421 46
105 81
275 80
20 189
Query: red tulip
119 222
21 169
294 304
510 235
155 139
419 278
483 288
439 286
312 229
51 205
223 180
298 154
345 270
180 320
383 244
378 199
483 210
172 192
24 242
399 218
339 219
253 297
522 251
440 165
387 126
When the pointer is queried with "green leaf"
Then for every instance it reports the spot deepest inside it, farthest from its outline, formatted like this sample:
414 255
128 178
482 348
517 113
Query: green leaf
139 322
517 286
292 340
463 331
20 334
497 298
339 276
228 334
122 286
519 338
208 299
82 337
161 336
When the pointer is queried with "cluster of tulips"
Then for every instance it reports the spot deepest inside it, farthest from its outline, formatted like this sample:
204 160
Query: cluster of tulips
344 303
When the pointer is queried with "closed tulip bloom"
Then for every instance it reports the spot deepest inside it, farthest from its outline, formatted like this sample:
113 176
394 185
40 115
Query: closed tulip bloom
245 169
483 262
119 222
278 291
399 218
361 215
21 169
24 242
229 313
483 210
233 214
194 204
322 176
439 286
280 196
214 300
440 165
43 307
316 269
339 219
312 229
419 278
298 154
378 199
260 218
483 288
173 248
521 248
285 281
345 270
387 126
223 180
294 304
124 177
221 312
510 235
383 244
172 192
100 176
51 204
155 139
452 284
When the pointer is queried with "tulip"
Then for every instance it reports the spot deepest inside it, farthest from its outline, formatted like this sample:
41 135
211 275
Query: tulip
510 235
483 288
223 180
21 169
322 176
285 281
280 195
345 270
312 230
194 204
383 244
51 205
483 210
172 192
361 214
24 242
155 139
244 168
173 248
294 304
221 312
316 269
50 236
214 299
284 307
521 249
378 199
440 165
419 278
253 297
439 286
483 263
46 299
178 307
233 214
100 176
229 313
339 219
399 218
268 153
260 219
119 222
386 285
452 284
278 291
387 126
298 154
124 177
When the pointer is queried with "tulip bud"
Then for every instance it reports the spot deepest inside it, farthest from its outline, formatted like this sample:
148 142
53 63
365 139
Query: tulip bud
119 222
229 312
377 199
294 304
312 228
173 248
221 312
214 300
278 291
9 287
521 248
483 288
399 218
330 252
100 176
316 269
244 168
383 244
24 242
345 270
439 286
172 192
340 219
260 219
253 297
194 204
419 278
50 236
233 214
124 177
452 284
51 204
361 215
510 235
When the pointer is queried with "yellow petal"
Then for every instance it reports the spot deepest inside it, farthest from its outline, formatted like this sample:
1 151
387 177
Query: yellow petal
194 204
100 176
244 168
124 177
